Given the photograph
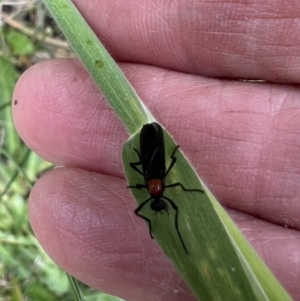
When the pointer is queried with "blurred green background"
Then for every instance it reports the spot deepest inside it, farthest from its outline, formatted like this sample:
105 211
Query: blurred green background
27 35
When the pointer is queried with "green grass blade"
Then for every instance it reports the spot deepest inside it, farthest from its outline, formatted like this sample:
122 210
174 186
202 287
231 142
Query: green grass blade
18 167
75 288
103 69
221 265
8 77
256 270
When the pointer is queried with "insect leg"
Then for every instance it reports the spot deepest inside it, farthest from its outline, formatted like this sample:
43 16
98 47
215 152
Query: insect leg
136 211
134 165
176 221
183 188
173 160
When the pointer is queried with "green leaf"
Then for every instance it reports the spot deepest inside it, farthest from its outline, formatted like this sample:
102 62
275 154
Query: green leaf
8 78
75 288
102 68
19 43
220 265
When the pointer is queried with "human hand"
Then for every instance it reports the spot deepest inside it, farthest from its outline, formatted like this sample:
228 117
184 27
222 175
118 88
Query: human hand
242 138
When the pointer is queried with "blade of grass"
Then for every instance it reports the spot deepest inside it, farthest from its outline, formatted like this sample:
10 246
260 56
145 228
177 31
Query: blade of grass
18 167
15 174
221 264
102 68
8 77
75 288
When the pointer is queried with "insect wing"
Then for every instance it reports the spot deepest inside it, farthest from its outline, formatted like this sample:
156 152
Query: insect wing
152 148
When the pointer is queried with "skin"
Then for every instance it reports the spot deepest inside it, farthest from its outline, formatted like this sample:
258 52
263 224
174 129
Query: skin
184 59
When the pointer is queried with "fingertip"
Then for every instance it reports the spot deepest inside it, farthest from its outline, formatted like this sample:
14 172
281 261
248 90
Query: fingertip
34 93
85 222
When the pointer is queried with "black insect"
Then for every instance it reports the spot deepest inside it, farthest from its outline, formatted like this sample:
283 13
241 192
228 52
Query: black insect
152 160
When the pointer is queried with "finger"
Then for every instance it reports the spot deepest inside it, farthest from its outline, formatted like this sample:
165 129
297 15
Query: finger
53 121
241 137
273 243
85 222
216 39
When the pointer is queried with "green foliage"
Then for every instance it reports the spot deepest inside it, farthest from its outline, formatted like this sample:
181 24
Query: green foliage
26 271
8 77
19 43
220 258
